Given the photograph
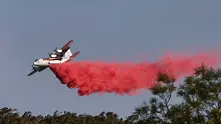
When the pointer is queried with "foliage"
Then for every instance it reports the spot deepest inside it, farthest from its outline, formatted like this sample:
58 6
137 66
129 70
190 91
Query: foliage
11 116
200 103
201 100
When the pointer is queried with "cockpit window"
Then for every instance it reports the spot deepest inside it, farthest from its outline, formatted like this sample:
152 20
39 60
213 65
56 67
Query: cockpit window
36 60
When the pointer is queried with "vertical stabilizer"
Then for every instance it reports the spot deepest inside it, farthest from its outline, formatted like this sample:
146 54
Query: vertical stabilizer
68 54
73 56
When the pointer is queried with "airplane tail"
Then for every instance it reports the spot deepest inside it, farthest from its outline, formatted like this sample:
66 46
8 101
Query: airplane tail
73 56
68 54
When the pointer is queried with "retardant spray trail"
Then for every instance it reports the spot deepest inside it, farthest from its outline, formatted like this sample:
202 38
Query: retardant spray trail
125 78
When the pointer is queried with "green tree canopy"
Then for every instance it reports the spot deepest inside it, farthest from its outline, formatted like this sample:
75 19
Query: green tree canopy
200 94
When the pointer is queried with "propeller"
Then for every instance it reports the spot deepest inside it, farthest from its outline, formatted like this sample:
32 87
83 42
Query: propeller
55 49
49 54
33 67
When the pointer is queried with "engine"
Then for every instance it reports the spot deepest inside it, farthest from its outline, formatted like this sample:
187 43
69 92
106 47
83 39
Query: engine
59 51
53 56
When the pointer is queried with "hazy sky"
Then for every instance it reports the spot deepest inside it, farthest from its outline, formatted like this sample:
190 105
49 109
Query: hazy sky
122 30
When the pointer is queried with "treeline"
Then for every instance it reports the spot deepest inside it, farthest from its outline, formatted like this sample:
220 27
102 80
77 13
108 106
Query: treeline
200 104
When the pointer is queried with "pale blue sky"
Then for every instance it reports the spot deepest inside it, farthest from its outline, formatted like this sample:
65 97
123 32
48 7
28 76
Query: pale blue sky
122 30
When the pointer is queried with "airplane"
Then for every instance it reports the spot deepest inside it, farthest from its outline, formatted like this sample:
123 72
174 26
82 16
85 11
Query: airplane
43 63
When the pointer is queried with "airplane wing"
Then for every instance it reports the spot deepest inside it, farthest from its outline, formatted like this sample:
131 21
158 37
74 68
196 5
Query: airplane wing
39 69
67 45
34 71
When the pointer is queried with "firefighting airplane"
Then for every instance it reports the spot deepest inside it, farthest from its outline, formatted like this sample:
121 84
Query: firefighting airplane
61 56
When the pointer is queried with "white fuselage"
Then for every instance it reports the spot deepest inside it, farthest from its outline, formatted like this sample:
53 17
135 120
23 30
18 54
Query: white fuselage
47 62
43 62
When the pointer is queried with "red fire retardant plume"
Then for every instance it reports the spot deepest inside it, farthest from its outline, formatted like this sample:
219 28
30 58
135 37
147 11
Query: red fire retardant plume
124 78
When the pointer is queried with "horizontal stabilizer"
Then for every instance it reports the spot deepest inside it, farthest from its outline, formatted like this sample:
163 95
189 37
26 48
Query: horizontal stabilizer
73 56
